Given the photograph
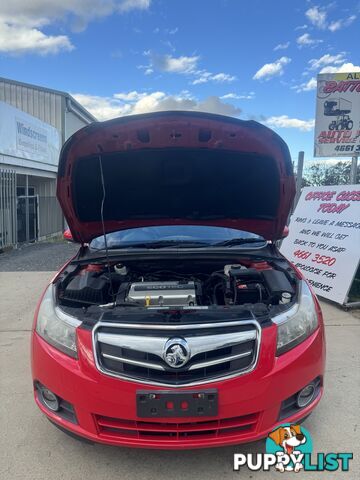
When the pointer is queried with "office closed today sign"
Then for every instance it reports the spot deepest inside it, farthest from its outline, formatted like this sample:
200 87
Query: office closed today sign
324 238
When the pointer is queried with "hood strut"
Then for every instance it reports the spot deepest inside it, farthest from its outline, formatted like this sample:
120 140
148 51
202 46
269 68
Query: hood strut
103 227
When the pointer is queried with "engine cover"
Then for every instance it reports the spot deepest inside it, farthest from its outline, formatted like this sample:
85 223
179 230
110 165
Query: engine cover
167 294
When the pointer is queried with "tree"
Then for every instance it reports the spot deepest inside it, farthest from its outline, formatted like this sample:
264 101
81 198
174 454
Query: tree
319 174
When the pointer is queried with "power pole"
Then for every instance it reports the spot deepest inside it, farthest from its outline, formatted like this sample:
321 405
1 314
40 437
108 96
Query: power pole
353 170
299 176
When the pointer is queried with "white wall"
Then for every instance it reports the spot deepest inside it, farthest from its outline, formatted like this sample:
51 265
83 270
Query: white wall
72 124
42 104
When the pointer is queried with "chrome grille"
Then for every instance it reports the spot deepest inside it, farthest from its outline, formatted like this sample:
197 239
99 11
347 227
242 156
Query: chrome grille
216 350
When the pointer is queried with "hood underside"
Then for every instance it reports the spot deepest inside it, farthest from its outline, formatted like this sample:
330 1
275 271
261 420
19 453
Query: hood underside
175 168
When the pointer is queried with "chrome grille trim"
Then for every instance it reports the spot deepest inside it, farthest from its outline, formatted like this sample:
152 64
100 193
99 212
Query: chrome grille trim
155 345
225 341
134 362
156 366
183 326
230 358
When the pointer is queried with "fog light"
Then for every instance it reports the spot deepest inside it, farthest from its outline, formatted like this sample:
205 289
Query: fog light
49 399
305 396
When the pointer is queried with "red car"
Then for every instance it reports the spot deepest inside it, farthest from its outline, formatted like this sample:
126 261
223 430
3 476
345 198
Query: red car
183 326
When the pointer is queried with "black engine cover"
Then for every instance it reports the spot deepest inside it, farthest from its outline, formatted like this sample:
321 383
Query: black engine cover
88 288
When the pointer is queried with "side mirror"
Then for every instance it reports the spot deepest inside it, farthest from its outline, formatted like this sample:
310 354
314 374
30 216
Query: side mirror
67 235
285 232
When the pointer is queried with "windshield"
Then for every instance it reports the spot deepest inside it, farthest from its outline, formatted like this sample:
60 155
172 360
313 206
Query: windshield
176 235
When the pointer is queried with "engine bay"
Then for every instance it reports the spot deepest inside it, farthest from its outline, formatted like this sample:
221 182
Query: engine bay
171 284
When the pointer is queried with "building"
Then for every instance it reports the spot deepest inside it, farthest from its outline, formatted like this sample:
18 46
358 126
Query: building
34 123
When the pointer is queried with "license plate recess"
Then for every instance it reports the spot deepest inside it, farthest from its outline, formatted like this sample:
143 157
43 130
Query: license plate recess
167 403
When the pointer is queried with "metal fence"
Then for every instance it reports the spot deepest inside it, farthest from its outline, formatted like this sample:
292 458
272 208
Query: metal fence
26 218
38 217
50 217
8 221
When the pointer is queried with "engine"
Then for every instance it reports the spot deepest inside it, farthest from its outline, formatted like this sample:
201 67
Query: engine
163 294
188 286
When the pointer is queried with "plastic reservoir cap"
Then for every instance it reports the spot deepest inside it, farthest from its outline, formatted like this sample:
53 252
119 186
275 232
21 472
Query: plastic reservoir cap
235 266
285 297
121 269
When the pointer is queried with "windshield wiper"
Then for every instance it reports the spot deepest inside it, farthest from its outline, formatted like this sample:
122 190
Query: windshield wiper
163 244
238 241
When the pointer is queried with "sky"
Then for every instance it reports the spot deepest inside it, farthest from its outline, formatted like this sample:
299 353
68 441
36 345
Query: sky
253 59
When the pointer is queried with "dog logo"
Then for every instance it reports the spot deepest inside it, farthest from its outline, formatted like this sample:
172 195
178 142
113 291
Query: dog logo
176 352
288 449
289 443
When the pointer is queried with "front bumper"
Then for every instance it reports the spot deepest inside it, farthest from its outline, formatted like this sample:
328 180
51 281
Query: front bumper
249 405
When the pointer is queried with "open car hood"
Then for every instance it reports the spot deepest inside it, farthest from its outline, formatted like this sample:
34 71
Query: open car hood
175 168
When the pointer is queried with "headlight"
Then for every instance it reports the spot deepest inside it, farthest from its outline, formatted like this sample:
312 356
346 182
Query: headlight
55 327
295 325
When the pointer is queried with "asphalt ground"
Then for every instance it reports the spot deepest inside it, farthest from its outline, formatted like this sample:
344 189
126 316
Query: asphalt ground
39 257
31 448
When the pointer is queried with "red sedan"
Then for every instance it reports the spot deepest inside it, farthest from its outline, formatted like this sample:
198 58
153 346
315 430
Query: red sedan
178 324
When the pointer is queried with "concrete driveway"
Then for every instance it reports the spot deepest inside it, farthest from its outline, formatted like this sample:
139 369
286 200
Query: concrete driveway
31 448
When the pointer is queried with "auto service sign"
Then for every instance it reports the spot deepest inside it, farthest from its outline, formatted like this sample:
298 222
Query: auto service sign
337 123
324 238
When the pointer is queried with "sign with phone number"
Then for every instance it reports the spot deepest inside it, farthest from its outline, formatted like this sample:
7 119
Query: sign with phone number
324 238
337 121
